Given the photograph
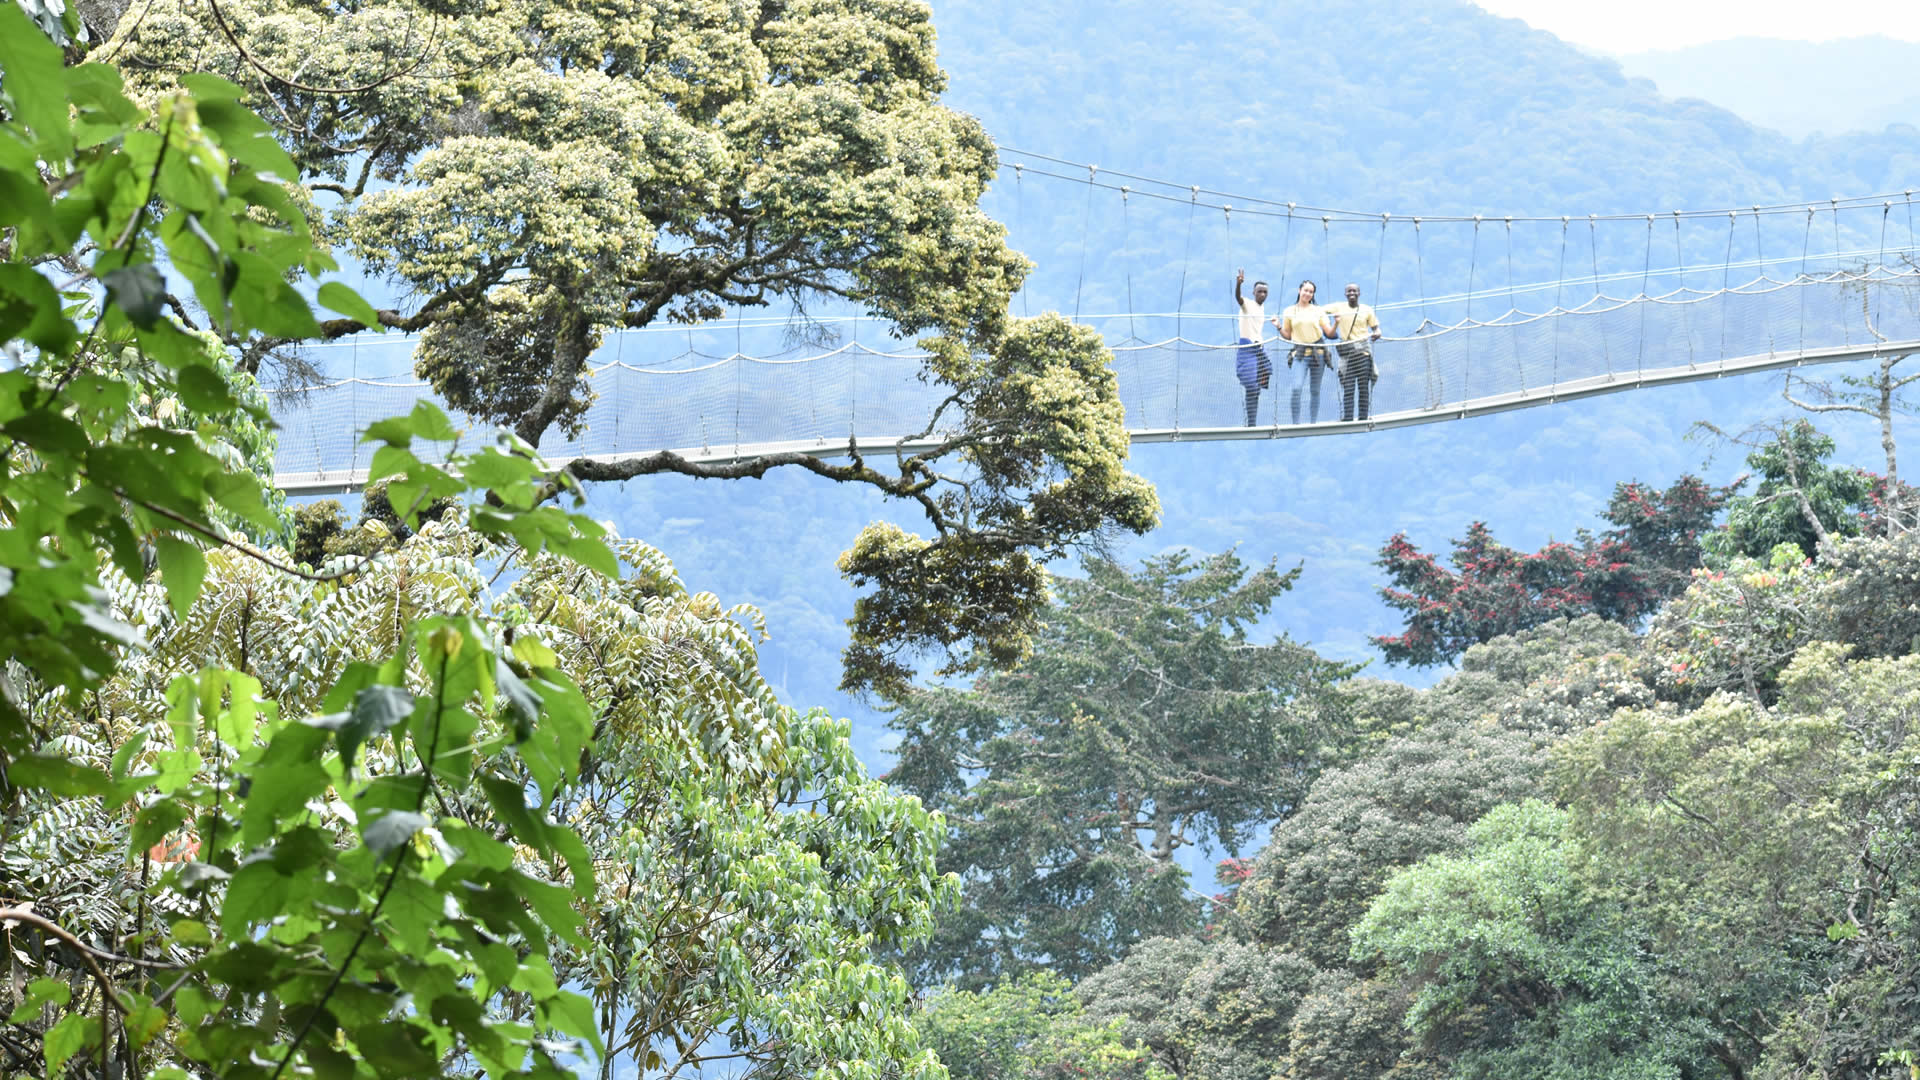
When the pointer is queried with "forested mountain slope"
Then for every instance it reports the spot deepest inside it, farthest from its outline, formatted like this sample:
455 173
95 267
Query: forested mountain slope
1395 105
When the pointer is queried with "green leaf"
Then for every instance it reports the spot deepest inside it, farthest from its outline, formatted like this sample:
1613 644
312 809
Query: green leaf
572 1014
257 893
263 300
29 306
75 1031
191 932
205 391
139 291
123 757
183 568
41 992
376 710
58 776
337 297
392 829
35 87
143 1022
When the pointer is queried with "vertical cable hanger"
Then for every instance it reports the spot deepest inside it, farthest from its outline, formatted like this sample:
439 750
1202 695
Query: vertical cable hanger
1426 338
1020 216
1646 267
1559 287
1086 216
1726 271
1806 236
1513 307
1686 306
1473 265
1180 306
1593 243
1126 255
1879 270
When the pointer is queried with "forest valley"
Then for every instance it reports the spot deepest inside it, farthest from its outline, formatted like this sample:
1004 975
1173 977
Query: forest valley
470 786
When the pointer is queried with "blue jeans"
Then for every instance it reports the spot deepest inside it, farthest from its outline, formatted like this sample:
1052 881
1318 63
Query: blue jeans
1313 363
1253 369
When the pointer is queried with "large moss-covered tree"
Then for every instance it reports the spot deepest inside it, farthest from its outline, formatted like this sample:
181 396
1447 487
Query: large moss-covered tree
538 173
1151 719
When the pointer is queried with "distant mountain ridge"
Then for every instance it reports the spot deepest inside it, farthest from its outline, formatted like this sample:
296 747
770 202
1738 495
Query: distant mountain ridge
1798 88
1409 106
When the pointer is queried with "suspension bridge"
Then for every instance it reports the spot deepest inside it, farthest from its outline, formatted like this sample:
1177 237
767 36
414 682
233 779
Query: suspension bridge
1629 301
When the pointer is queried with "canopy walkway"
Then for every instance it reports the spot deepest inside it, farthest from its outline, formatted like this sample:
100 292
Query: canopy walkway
766 383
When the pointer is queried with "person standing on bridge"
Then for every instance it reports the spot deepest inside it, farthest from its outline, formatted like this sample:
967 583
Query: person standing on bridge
1356 329
1250 363
1306 325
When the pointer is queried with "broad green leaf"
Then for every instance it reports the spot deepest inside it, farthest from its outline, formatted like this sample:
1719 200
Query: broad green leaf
139 291
29 306
572 1014
203 390
392 829
337 297
41 992
257 893
58 776
183 568
76 1031
34 84
191 932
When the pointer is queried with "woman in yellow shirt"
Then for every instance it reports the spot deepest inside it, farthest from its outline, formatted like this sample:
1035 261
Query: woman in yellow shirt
1307 326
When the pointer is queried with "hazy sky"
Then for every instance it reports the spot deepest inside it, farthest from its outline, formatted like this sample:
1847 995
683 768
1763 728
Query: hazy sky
1629 26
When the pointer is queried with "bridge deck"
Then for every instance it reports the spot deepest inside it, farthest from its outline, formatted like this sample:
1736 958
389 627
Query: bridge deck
352 479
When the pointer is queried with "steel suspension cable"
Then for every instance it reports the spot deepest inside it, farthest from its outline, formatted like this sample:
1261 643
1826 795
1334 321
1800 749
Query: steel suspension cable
1559 287
1020 217
1806 237
1880 266
1726 270
1686 309
1086 216
1380 259
1846 333
1126 257
1426 339
1513 308
1639 362
1473 264
1180 307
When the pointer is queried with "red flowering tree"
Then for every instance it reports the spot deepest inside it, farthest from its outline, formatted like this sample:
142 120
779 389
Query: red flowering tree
1622 574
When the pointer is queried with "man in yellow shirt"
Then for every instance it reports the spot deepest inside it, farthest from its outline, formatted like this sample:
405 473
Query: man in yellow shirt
1305 325
1356 329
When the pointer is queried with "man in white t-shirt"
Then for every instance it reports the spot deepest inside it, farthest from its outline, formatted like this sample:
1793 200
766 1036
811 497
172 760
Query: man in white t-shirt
1250 363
